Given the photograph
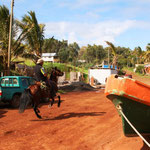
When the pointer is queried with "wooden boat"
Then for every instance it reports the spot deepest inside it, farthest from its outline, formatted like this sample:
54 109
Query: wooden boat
134 98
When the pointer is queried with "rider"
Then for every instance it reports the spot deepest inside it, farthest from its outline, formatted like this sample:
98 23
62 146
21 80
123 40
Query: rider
40 74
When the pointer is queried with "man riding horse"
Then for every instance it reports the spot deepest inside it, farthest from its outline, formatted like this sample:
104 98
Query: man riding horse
41 75
44 88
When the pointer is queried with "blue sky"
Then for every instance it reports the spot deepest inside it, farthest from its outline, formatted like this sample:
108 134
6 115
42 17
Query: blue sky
125 23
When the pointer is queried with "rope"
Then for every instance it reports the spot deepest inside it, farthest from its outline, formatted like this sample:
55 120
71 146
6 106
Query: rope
120 110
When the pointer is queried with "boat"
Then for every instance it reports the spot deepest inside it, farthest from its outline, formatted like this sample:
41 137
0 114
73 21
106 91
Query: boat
132 101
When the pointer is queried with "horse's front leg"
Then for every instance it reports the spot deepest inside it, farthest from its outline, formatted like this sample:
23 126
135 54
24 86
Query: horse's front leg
36 110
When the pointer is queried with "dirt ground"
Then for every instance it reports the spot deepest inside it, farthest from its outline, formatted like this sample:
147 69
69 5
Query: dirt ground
85 121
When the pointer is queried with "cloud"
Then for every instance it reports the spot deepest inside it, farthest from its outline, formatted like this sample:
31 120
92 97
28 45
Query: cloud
85 33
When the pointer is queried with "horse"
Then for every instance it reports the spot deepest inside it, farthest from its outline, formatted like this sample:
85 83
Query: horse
33 95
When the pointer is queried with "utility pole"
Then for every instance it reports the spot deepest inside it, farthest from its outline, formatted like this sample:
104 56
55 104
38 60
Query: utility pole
108 59
10 36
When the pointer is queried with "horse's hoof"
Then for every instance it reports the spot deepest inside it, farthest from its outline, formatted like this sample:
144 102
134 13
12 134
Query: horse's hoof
39 117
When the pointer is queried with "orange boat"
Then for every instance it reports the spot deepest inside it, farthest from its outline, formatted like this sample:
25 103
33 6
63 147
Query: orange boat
134 98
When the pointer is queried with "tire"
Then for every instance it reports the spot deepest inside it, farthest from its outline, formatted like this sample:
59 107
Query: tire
15 101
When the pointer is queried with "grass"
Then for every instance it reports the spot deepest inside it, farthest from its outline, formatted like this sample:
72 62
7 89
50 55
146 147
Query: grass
47 65
65 67
138 74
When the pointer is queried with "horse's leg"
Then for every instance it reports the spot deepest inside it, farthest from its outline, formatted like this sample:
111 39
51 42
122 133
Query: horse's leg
52 102
59 101
36 110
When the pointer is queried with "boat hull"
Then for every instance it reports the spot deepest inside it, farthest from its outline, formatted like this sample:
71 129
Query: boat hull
138 114
134 99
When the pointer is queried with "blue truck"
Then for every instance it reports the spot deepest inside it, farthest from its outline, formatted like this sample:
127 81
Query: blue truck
11 88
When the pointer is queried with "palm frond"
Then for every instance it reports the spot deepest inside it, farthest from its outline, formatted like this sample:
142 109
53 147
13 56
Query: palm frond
112 47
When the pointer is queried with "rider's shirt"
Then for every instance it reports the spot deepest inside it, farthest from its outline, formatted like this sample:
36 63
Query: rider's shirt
39 73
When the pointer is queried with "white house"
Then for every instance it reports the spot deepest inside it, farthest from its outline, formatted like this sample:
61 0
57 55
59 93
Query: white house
100 74
48 57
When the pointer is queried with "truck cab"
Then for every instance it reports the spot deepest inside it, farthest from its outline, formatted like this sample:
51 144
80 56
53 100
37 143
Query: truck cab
11 88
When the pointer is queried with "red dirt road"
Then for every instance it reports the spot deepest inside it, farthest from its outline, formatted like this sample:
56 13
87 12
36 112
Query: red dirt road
85 121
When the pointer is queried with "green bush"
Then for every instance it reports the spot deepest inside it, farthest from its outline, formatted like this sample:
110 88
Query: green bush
121 72
140 69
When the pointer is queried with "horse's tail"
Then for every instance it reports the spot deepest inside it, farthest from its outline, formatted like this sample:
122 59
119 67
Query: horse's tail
25 99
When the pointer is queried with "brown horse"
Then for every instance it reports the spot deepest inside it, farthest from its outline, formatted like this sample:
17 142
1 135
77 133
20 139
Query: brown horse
34 94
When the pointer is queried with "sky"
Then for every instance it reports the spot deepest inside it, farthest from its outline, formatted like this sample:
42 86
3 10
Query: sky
125 23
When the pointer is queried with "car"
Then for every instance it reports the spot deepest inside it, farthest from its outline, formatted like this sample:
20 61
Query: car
11 88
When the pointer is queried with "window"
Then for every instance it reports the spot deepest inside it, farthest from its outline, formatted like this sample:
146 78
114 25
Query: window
9 82
25 82
3 81
15 81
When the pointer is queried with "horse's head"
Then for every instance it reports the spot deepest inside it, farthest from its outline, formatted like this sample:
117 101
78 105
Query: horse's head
56 72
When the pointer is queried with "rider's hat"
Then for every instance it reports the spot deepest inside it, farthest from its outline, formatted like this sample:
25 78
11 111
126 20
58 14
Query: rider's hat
40 61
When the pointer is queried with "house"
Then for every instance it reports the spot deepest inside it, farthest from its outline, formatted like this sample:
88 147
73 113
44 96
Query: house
99 75
49 57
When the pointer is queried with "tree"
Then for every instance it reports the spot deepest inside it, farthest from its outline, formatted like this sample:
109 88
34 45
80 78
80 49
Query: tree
147 53
4 34
63 55
81 53
124 56
63 52
73 51
138 53
33 35
114 53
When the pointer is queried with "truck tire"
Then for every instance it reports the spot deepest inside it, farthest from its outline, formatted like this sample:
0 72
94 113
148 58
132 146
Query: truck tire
15 101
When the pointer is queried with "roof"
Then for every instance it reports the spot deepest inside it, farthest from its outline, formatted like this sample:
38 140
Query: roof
48 54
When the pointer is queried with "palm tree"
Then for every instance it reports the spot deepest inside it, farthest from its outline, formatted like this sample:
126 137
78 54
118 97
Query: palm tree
4 34
4 37
138 53
147 56
33 35
114 53
148 47
147 53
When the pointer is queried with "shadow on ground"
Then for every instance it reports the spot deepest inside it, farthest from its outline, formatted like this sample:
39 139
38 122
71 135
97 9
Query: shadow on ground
71 115
2 113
